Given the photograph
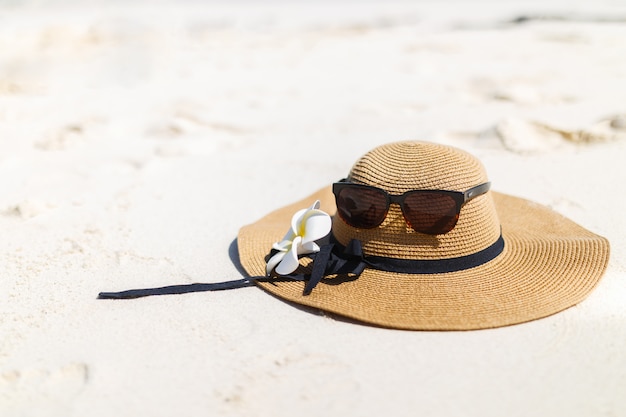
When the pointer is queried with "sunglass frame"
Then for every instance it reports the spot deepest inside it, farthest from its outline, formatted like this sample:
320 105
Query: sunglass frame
460 197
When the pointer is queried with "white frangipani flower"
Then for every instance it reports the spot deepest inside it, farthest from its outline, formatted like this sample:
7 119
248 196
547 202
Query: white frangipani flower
307 226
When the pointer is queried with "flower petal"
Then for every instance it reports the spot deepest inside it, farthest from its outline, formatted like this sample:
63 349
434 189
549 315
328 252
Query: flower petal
317 225
296 222
288 236
309 247
290 262
283 245
273 261
307 225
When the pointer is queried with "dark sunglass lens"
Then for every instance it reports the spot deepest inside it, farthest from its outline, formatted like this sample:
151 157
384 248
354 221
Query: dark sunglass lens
361 207
431 213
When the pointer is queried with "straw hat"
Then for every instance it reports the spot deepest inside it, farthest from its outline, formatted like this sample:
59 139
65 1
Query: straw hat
547 263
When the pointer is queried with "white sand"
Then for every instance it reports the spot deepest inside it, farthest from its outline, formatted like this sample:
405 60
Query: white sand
136 140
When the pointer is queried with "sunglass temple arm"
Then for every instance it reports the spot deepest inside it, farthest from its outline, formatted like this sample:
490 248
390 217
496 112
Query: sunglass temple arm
476 191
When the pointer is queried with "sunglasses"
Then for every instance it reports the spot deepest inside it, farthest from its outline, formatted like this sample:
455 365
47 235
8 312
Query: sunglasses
432 212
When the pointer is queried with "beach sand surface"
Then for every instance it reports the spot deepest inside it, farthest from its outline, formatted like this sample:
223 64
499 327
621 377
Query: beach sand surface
137 138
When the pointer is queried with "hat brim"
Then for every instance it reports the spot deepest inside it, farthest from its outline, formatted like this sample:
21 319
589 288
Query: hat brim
549 263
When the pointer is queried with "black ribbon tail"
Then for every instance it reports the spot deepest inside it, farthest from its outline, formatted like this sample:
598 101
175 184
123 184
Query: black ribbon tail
319 267
179 289
333 258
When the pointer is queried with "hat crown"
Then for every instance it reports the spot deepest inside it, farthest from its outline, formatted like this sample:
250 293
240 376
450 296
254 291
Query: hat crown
405 166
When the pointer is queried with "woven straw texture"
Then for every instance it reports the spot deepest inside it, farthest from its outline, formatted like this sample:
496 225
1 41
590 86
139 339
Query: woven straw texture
549 263
404 166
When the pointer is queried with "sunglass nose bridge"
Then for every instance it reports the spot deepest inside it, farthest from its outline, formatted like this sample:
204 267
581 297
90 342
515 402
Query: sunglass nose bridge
396 199
395 213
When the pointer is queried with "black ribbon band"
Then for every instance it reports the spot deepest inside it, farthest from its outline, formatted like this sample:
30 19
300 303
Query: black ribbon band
435 266
334 258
